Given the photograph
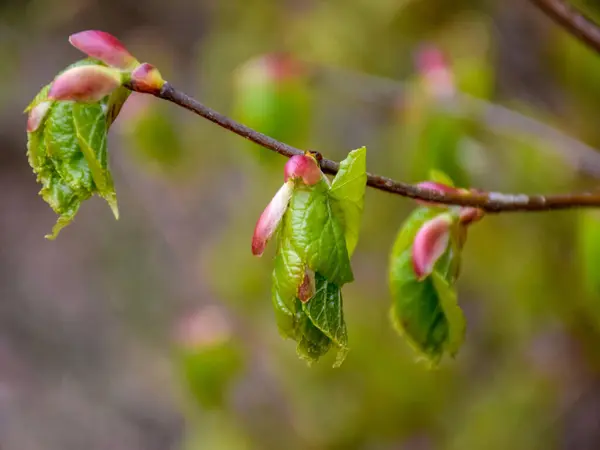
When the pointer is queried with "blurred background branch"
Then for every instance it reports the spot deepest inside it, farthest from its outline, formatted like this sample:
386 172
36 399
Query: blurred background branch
572 20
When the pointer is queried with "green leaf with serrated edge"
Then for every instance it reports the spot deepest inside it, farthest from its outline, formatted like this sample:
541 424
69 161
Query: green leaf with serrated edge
68 151
348 188
91 129
425 312
317 233
312 342
454 315
313 333
325 310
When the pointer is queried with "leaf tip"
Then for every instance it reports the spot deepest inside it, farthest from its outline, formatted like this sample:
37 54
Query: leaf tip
103 46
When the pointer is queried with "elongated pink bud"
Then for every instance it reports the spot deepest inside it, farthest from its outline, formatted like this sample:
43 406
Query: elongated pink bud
85 84
307 289
302 167
36 115
435 186
105 47
430 243
270 218
146 78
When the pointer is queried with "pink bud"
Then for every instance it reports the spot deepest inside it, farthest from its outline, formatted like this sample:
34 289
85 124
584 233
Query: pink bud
303 167
270 218
206 327
307 289
430 243
36 115
271 68
146 78
85 84
435 186
103 46
436 72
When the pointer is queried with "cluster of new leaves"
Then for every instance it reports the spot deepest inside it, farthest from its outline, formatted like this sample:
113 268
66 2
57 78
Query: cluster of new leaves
317 221
68 124
424 265
318 226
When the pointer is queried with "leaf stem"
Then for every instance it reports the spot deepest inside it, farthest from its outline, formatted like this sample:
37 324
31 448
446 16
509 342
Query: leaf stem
491 202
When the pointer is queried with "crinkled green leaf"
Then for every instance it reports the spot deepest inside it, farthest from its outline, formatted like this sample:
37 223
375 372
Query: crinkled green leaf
325 310
312 342
288 273
292 321
317 234
425 312
91 127
348 188
317 324
68 151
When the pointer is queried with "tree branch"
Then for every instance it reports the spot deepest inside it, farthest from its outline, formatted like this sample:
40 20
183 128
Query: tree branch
491 202
497 118
571 19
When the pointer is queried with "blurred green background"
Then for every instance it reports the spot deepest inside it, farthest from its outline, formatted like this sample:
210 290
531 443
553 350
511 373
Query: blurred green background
156 331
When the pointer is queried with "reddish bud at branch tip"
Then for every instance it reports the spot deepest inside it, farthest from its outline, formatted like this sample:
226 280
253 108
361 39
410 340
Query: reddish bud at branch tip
430 244
146 78
85 84
302 167
103 46
270 218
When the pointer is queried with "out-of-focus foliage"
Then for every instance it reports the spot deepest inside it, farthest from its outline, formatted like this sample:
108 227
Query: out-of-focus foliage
83 325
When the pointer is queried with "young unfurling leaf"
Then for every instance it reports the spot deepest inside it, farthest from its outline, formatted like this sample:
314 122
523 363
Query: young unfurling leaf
424 310
348 188
424 265
68 123
67 150
312 260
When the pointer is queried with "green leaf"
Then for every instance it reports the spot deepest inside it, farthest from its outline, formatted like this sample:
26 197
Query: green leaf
317 234
325 310
68 152
589 250
437 144
91 127
348 188
312 342
209 371
317 324
425 312
288 273
280 108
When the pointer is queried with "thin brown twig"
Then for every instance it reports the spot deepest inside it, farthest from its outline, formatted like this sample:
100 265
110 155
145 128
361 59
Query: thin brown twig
491 202
574 21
